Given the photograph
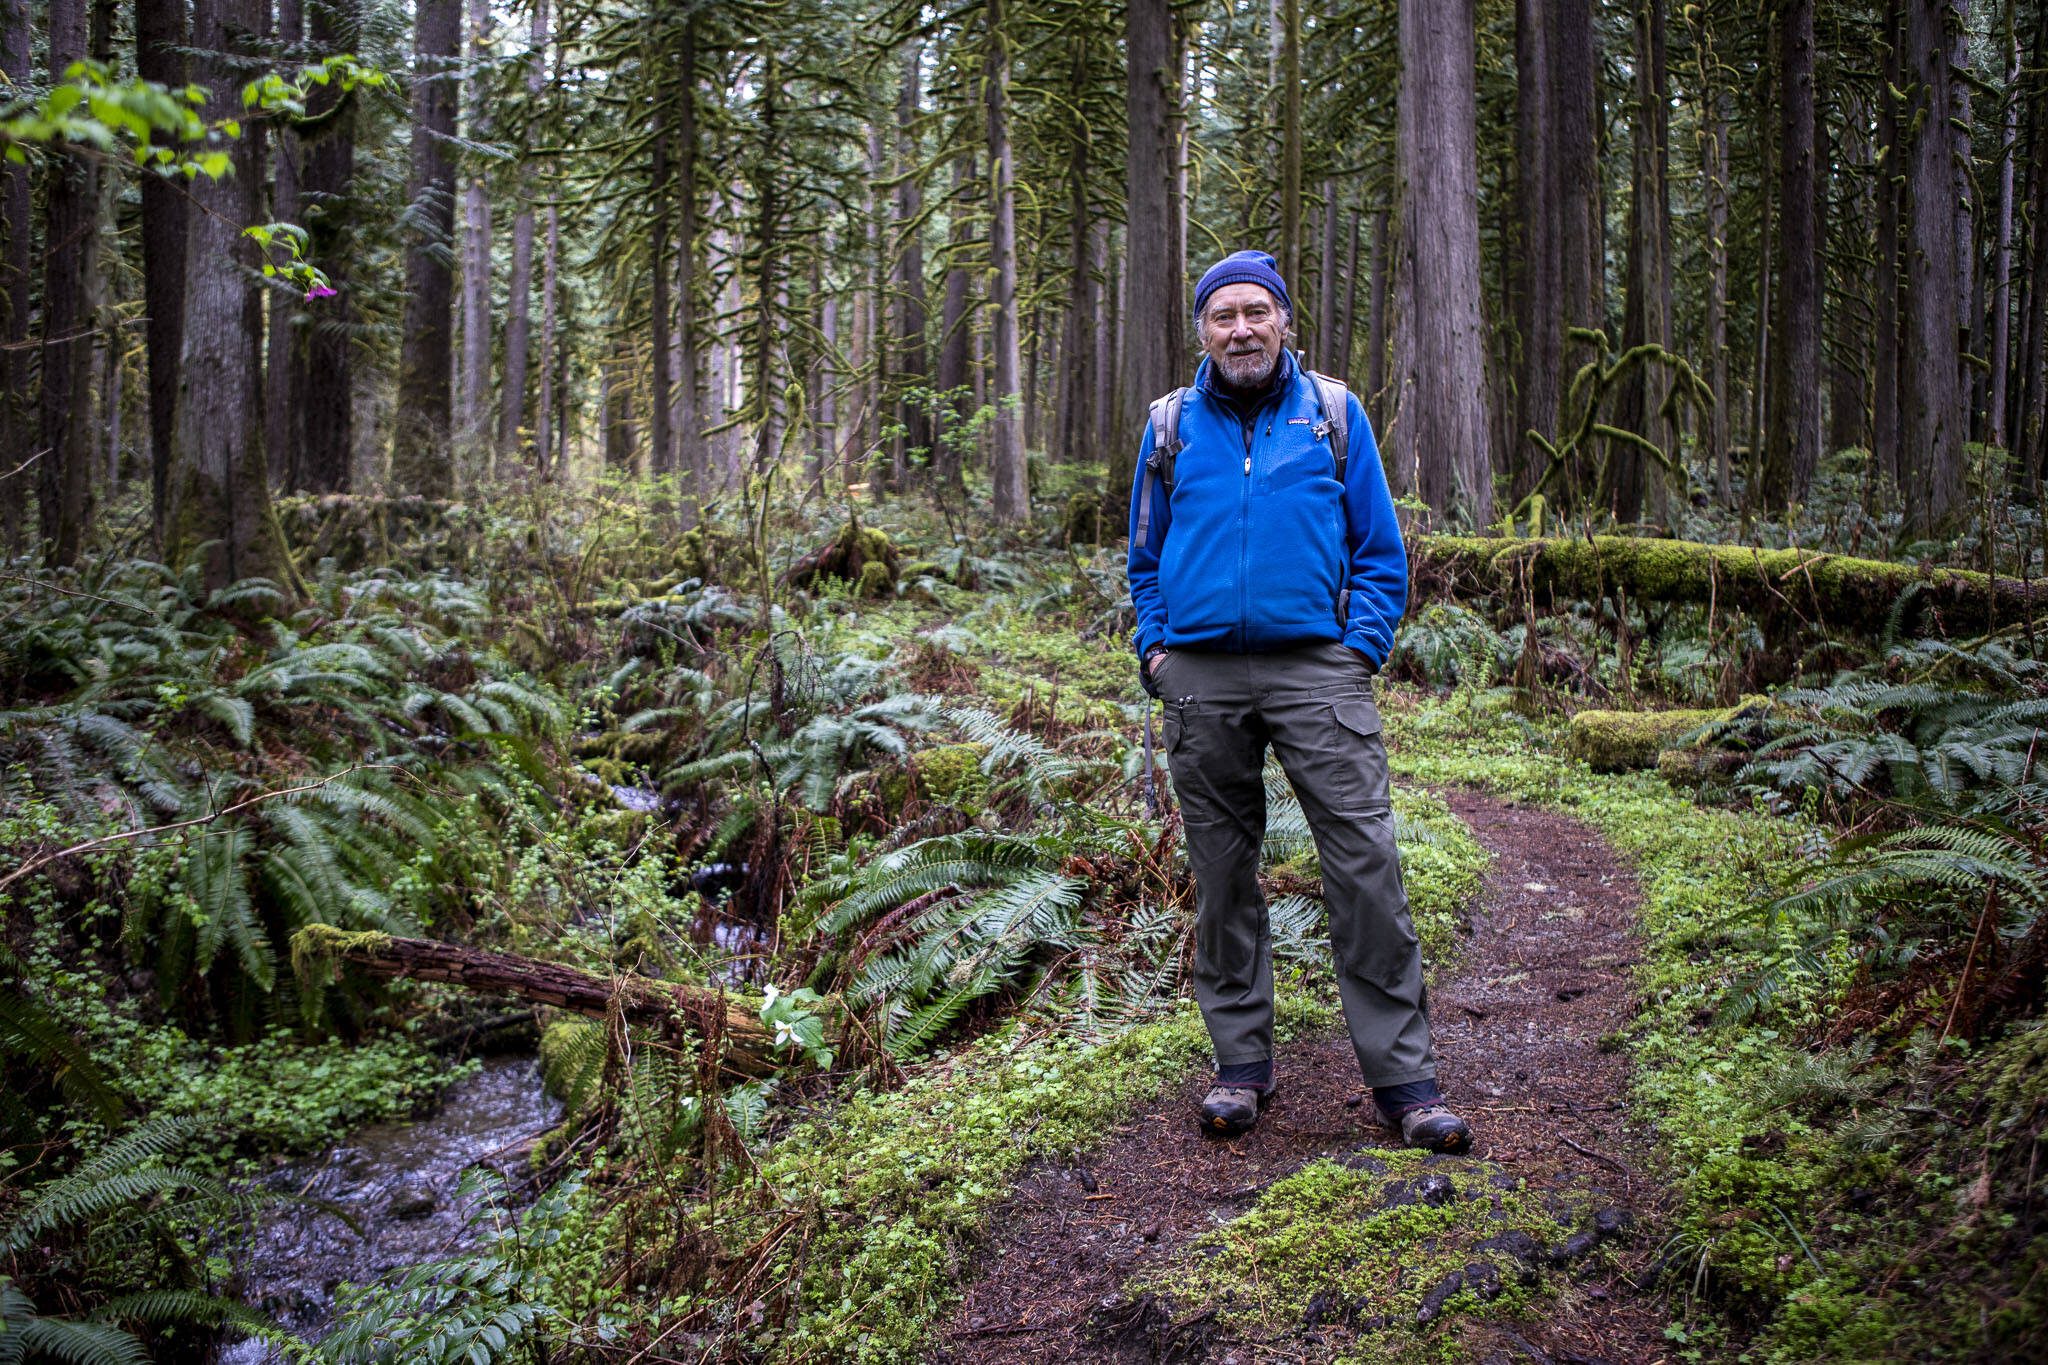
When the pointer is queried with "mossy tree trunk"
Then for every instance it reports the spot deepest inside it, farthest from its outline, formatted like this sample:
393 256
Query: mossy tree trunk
748 1048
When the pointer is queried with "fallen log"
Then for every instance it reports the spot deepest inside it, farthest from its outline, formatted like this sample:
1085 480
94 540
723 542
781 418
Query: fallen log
1803 585
748 1049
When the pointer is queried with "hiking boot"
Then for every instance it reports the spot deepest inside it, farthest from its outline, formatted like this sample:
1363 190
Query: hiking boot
1231 1110
1435 1128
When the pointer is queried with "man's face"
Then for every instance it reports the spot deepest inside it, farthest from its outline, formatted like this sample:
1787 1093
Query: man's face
1242 332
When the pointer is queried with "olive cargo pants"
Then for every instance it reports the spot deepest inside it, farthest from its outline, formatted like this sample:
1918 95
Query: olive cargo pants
1314 706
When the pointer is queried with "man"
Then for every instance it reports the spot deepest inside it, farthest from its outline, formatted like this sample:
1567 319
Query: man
1267 591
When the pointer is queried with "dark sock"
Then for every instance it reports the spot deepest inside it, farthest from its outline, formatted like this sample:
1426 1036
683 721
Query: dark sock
1253 1075
1396 1100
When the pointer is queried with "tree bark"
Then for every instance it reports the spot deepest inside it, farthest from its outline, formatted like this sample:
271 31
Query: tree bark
219 491
421 458
1935 416
70 259
1792 437
473 421
1443 409
1011 501
691 456
672 1006
1152 287
519 287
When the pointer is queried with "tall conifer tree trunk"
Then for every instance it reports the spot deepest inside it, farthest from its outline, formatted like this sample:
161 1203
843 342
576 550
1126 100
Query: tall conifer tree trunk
1012 496
662 452
1934 419
473 423
159 57
1646 318
70 197
1574 53
1885 433
280 441
1290 144
911 366
1152 289
1716 157
519 285
421 458
1792 435
322 380
953 327
1539 256
2001 261
17 425
1076 441
691 456
2030 434
1443 409
219 496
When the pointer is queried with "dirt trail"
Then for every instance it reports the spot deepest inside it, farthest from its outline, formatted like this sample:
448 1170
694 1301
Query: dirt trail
1544 977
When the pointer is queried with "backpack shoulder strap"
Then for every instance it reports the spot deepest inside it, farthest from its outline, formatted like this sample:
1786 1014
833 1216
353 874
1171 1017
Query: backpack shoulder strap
1335 401
1166 445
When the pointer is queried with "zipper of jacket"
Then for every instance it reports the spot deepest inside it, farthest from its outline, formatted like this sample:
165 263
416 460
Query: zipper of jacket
1244 540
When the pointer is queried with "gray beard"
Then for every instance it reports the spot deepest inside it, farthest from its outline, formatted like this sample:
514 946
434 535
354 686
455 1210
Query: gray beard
1247 372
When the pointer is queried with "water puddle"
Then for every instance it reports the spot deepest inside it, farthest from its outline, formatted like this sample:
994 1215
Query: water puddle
398 1181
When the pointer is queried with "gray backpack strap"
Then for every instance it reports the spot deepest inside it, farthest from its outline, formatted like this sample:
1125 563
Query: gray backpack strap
1165 421
1335 401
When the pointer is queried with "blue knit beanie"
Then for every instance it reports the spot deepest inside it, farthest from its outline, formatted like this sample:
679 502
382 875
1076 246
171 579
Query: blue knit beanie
1243 267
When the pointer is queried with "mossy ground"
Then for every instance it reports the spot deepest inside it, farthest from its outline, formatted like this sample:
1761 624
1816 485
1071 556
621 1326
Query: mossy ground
1349 1252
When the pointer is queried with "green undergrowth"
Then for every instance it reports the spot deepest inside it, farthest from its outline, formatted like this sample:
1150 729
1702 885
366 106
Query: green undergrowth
1775 1246
1353 1257
882 1196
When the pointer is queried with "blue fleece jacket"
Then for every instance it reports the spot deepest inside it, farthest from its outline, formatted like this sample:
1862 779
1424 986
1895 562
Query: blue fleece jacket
1258 539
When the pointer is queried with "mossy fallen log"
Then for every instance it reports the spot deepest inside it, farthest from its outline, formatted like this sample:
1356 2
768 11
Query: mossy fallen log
747 1047
1800 585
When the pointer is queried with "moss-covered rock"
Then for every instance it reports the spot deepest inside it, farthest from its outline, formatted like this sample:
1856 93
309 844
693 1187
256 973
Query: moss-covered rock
1623 741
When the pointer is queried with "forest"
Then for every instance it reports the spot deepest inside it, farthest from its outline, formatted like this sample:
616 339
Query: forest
574 778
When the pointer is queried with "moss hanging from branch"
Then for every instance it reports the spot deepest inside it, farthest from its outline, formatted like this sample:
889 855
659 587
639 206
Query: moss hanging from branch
1839 591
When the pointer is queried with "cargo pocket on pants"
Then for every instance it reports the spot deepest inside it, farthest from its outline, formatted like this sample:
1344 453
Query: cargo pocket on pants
1362 753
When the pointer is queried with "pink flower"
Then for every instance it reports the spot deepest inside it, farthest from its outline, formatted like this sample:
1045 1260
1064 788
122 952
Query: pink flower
320 291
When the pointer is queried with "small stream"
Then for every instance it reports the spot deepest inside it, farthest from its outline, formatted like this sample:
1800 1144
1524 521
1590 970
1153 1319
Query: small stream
398 1181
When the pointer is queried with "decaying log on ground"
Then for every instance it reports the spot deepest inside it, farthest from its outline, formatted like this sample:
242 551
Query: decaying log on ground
1781 585
747 1047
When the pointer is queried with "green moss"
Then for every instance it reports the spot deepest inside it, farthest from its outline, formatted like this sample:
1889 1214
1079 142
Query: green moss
1357 1241
1442 866
877 580
1620 741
